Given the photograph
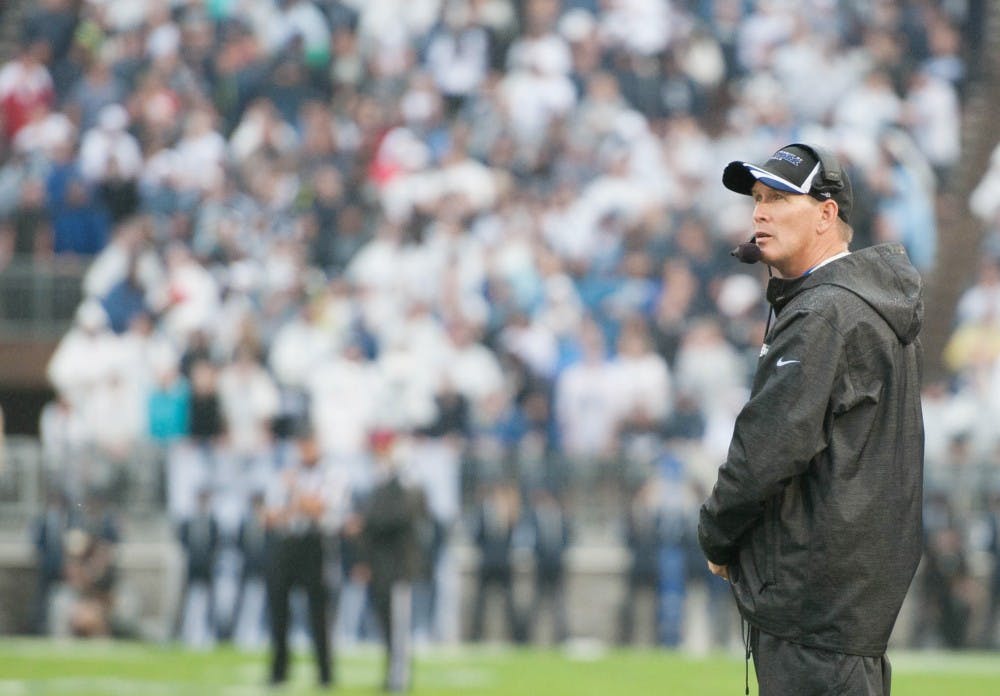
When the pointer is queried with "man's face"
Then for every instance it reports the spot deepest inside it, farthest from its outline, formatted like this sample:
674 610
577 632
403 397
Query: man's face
784 225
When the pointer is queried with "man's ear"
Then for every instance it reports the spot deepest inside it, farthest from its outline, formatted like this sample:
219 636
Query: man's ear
828 216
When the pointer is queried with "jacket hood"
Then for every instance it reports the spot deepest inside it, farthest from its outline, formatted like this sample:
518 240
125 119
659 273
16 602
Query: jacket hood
881 275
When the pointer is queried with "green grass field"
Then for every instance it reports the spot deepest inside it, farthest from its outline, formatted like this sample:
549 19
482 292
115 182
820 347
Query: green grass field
100 669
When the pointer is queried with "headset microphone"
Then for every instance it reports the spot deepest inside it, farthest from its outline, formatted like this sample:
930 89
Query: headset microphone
747 252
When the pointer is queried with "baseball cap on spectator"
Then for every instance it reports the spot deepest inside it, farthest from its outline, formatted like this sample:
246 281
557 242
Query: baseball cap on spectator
381 440
796 168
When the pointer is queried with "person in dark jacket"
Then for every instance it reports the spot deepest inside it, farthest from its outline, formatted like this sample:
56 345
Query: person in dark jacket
252 542
493 527
200 538
551 536
48 533
643 541
815 518
391 549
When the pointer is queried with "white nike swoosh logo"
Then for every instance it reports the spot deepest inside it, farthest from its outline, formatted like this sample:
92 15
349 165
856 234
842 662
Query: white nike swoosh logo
782 362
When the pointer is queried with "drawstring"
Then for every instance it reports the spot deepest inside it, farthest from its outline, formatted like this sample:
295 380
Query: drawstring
770 308
745 635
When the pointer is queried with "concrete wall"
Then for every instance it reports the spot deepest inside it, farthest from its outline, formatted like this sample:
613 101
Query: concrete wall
151 576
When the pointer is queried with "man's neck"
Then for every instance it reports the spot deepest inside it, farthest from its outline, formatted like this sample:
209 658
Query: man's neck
820 259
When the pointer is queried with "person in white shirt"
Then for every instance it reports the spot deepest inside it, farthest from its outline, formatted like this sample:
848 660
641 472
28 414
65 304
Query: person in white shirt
109 144
585 404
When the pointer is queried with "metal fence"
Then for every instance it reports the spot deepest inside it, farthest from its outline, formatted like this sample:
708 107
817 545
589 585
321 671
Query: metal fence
39 298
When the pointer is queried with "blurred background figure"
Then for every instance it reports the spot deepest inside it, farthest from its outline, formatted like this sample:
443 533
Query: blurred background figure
551 535
644 543
250 608
200 538
49 537
392 550
493 527
300 509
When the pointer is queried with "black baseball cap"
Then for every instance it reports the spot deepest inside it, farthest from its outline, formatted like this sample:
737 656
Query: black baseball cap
796 168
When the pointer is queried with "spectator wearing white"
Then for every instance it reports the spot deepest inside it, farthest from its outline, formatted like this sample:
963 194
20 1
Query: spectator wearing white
598 110
405 384
615 196
869 107
116 417
143 352
540 41
981 302
421 331
376 264
769 25
932 114
688 152
402 164
300 346
984 201
342 424
643 383
561 310
130 243
249 399
472 367
533 343
109 147
388 28
449 250
163 36
64 437
458 52
262 130
202 150
644 27
585 402
809 53
905 208
301 19
536 90
45 133
84 356
707 365
192 295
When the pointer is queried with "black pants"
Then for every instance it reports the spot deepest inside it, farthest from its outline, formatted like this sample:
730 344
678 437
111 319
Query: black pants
393 603
549 589
502 581
637 585
297 560
789 669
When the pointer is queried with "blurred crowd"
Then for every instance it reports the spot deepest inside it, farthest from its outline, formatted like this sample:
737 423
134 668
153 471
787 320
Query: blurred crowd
495 226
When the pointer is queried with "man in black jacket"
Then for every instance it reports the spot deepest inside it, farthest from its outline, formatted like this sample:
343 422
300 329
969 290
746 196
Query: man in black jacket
815 518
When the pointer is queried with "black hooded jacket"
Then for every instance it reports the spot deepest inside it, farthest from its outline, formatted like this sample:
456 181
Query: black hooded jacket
817 509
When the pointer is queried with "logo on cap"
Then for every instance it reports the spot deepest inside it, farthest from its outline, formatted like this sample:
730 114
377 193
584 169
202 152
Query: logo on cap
794 160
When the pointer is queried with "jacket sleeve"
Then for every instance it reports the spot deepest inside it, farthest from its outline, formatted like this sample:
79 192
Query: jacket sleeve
780 430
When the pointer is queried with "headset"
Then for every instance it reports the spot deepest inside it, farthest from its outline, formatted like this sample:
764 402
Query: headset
833 176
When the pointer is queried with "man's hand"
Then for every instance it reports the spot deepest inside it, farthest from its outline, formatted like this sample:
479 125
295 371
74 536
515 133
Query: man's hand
720 570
